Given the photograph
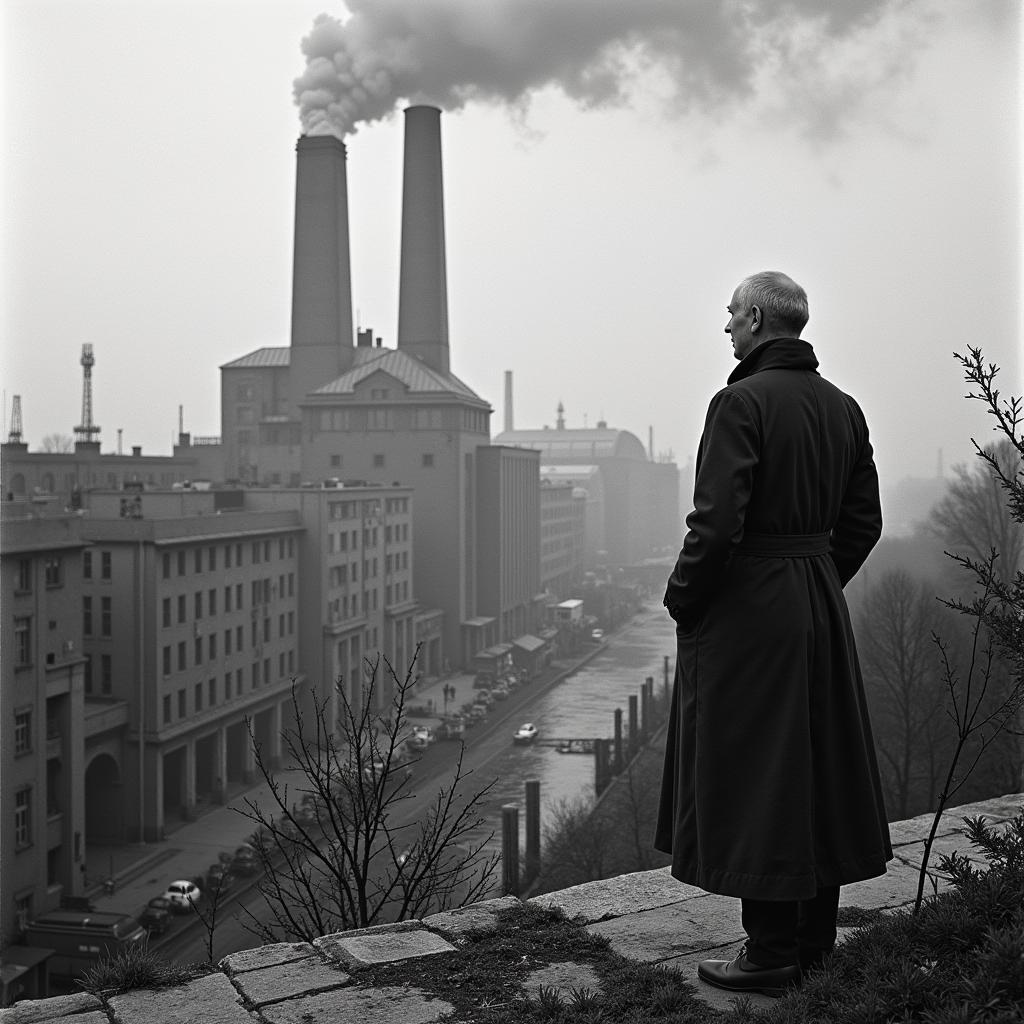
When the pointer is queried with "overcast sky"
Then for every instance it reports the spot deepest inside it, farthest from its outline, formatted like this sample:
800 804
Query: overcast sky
611 172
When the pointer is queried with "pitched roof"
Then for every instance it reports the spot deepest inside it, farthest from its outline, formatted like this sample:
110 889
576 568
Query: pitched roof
406 369
262 357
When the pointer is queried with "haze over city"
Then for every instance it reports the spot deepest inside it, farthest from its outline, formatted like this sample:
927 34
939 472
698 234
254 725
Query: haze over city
611 171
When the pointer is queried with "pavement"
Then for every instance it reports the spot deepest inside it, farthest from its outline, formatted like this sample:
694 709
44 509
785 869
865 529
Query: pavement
646 916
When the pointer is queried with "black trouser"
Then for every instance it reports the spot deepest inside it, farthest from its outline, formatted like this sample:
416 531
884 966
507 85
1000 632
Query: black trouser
785 932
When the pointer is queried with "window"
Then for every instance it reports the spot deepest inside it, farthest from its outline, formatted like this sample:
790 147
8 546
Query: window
212 602
336 461
266 671
227 556
198 604
255 551
291 622
182 711
86 565
291 584
211 692
181 563
198 650
213 646
238 596
239 639
291 660
197 559
238 681
87 616
166 605
167 660
199 697
227 597
266 629
378 461
181 656
257 589
428 460
182 608
167 708
23 817
211 559
227 686
166 566
255 674
22 732
54 571
266 551
106 616
106 674
280 547
104 565
227 641
22 641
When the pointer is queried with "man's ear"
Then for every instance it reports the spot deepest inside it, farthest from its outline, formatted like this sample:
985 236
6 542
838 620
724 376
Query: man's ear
756 318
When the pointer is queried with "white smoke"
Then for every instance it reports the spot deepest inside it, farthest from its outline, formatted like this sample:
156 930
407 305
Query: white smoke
712 52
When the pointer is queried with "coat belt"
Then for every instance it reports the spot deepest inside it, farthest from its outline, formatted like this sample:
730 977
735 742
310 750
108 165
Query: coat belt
784 545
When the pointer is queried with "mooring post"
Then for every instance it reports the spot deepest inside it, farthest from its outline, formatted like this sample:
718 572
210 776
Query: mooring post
645 715
532 865
617 759
600 766
509 850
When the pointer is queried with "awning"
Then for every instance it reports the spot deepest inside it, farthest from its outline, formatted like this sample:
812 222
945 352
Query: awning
529 643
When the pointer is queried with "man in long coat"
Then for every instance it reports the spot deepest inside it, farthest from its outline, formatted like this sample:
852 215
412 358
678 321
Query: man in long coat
771 790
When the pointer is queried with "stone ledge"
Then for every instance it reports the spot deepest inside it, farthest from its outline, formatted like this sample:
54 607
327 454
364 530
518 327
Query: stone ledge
454 925
211 999
286 981
362 949
391 1005
265 956
31 1011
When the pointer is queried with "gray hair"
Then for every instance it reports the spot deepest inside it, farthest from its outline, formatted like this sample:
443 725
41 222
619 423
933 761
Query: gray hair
781 299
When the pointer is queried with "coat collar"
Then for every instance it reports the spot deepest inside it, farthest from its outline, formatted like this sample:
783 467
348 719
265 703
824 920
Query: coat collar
777 354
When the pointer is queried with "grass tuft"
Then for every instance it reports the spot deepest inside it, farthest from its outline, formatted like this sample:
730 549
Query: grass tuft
138 967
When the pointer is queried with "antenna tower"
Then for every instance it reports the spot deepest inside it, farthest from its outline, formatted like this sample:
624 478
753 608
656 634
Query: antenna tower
14 437
87 429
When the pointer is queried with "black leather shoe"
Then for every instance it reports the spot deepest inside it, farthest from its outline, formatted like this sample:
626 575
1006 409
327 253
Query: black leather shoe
740 975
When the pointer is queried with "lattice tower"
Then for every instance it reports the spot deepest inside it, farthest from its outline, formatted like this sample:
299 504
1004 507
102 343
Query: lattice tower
87 429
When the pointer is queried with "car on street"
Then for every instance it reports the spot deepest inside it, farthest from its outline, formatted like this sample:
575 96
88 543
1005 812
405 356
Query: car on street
182 894
597 634
218 879
246 861
421 738
485 697
526 733
156 915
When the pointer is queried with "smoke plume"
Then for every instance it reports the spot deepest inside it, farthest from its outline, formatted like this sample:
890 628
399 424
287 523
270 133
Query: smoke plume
712 53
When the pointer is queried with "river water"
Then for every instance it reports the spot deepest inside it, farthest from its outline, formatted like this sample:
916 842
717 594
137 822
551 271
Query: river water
582 705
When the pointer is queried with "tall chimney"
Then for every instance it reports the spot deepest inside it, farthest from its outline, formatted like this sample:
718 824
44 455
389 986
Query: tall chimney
509 421
321 348
423 285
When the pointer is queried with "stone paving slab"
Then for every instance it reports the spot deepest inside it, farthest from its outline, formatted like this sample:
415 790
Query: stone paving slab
615 897
565 978
356 950
284 981
998 809
893 889
390 1005
698 924
212 1000
29 1011
477 917
265 956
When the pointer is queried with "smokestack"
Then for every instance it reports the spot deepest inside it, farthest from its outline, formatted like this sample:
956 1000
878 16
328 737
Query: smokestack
423 285
508 401
321 348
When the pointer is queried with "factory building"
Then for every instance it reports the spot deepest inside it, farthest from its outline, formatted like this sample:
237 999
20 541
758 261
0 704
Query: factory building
324 408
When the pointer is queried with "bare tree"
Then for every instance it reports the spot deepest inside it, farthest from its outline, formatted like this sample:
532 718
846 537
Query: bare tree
57 443
902 676
577 842
354 846
980 711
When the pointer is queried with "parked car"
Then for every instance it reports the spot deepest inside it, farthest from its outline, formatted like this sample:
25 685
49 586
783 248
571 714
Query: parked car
219 879
526 733
182 894
483 681
246 861
452 728
156 915
423 733
485 697
476 713
597 634
499 691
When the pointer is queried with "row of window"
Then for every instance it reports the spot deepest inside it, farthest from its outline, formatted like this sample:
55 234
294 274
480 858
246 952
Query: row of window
233 686
53 573
87 564
205 603
230 556
106 616
206 648
398 418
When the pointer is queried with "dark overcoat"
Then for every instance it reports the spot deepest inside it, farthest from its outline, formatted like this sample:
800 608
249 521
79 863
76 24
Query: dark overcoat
771 786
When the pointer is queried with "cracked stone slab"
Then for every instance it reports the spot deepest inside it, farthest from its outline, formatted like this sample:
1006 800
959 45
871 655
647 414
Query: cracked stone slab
265 956
653 935
360 949
285 981
565 978
211 999
618 897
998 809
389 1005
477 917
29 1011
895 888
